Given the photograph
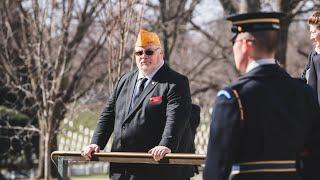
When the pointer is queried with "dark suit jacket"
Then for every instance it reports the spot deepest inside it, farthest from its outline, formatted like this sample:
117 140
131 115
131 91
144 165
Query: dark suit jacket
281 118
314 73
160 117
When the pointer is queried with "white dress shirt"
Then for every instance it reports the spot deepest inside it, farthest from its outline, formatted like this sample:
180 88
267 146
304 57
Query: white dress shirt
259 62
317 49
139 79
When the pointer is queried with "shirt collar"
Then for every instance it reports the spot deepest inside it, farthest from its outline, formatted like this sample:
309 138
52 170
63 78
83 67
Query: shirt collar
150 76
259 62
317 49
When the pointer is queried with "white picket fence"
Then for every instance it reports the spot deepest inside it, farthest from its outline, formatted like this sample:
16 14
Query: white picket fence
74 138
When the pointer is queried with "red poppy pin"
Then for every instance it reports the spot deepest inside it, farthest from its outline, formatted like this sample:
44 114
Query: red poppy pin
156 99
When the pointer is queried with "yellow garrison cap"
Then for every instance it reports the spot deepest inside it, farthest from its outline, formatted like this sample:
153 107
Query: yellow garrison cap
146 38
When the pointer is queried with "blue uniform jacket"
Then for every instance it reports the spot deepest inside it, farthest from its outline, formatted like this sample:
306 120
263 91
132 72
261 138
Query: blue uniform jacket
278 121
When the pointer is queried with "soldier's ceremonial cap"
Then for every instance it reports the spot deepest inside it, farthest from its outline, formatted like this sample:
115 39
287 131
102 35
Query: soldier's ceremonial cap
258 21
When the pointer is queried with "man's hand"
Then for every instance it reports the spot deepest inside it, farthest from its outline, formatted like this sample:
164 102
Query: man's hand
87 151
159 152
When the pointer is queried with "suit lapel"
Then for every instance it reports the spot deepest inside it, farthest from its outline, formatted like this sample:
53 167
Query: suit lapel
145 92
148 89
132 84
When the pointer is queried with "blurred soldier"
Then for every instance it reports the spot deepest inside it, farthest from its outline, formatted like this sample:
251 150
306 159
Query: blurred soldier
265 120
148 111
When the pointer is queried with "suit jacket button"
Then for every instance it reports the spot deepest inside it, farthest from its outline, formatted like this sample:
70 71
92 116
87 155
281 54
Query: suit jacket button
123 126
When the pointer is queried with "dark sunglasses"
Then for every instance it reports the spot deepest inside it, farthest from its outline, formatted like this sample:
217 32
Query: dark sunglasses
148 52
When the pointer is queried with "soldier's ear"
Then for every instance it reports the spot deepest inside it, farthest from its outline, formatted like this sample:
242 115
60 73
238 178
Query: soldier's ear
247 46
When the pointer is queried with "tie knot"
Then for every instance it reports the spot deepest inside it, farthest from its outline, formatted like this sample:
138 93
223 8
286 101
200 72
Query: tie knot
143 80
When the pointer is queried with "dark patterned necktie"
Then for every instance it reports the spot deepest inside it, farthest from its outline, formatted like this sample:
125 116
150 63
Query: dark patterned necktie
141 87
140 90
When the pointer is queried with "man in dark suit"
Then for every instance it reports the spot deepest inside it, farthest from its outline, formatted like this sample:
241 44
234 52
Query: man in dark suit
265 120
148 111
312 71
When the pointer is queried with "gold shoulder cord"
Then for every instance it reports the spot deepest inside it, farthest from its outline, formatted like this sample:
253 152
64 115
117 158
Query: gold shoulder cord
239 103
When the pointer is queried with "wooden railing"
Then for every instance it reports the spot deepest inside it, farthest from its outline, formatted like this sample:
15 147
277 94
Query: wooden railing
63 157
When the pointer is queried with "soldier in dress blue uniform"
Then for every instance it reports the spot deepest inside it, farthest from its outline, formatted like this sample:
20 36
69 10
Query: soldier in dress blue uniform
262 122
